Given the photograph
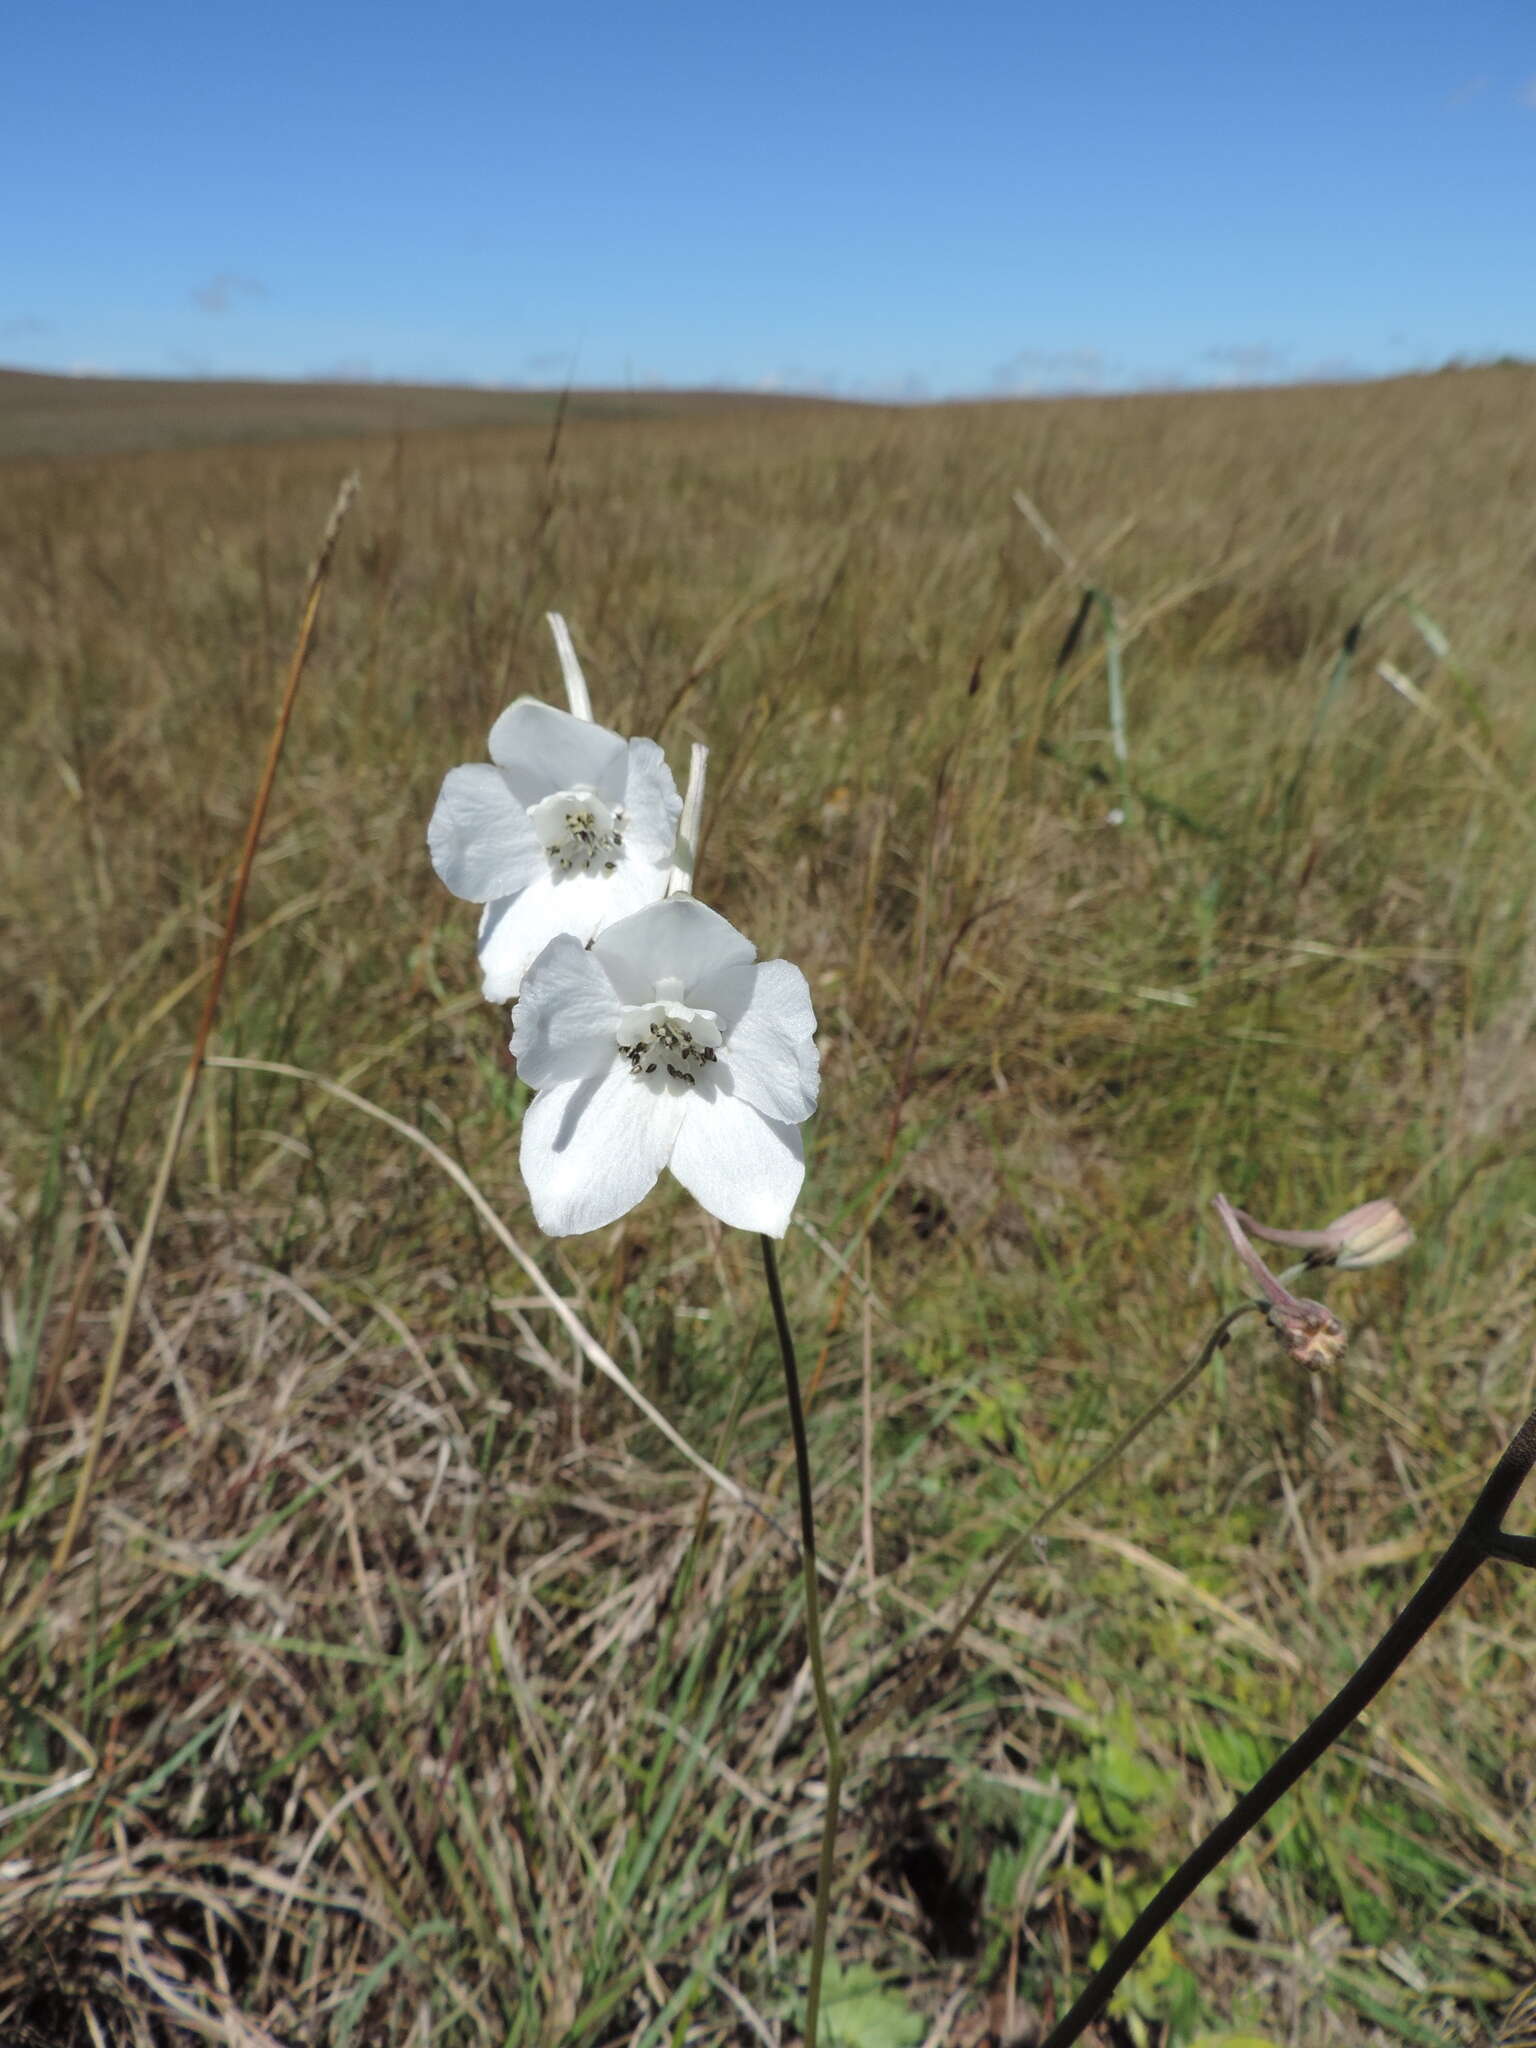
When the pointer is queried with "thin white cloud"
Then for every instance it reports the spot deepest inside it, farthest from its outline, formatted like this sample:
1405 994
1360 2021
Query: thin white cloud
795 379
1332 370
1034 369
345 370
222 292
1245 358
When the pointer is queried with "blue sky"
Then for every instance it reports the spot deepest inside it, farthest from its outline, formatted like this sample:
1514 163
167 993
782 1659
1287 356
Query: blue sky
874 200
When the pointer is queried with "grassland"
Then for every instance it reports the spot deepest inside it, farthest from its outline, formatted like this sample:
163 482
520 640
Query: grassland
405 1687
43 415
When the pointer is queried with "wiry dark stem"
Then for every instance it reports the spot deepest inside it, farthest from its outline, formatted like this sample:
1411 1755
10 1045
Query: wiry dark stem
1014 1549
813 1639
1479 1537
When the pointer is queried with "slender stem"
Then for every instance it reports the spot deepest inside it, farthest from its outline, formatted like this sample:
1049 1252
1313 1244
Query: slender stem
1480 1536
1014 1549
824 1708
1115 679
580 1335
40 1409
194 1066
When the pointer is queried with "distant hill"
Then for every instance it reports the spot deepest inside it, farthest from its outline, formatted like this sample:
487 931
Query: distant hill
63 416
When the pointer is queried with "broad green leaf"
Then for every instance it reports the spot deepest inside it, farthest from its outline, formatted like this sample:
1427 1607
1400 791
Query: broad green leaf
1233 2041
858 2012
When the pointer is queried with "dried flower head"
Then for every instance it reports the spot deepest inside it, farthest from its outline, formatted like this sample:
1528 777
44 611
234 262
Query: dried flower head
1367 1236
1310 1333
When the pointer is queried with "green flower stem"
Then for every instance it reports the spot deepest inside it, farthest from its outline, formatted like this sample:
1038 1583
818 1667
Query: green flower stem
1014 1549
1479 1537
824 1710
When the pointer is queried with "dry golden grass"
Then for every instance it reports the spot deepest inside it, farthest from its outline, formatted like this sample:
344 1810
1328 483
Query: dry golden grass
406 1687
49 416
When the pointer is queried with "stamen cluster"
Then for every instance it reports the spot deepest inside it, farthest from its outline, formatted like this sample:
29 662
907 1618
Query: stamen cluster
581 834
665 1038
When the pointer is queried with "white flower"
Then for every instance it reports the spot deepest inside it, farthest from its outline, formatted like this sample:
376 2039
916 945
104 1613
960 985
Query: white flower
564 829
665 1043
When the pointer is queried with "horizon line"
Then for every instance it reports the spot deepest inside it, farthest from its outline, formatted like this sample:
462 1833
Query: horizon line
904 398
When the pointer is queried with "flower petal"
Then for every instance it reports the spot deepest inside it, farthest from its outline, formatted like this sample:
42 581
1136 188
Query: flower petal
744 1168
678 939
515 930
593 1148
542 749
651 804
566 1025
769 1060
634 885
479 837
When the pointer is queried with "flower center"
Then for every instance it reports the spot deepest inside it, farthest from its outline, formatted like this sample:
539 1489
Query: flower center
581 834
666 1042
